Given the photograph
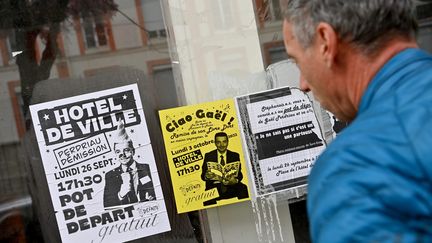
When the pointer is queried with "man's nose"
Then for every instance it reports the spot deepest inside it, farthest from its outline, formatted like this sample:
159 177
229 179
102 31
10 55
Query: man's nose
304 86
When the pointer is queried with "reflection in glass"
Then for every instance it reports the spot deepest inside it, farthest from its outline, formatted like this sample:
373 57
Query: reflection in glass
55 49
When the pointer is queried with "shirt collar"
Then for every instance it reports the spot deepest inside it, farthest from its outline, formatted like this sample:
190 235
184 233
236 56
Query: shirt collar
132 166
219 153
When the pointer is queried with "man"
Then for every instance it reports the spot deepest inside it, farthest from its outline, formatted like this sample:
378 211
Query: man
361 61
130 182
228 186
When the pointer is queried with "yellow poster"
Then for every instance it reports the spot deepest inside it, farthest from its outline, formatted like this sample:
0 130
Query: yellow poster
205 156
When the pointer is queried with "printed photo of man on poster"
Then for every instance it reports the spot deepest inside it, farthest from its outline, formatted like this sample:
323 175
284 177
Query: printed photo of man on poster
100 166
131 181
222 170
205 154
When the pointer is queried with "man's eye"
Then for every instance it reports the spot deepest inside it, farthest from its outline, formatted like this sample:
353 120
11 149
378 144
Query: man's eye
117 151
127 150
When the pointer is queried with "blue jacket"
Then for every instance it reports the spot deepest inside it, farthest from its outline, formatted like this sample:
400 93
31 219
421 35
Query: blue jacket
374 182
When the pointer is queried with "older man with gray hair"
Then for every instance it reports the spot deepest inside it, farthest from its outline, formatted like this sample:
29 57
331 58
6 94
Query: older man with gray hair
361 61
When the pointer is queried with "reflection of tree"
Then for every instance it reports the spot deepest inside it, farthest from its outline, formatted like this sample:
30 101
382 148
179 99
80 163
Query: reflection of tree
30 19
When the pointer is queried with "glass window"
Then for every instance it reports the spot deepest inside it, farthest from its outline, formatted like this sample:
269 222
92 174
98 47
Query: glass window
425 37
268 11
275 11
424 15
11 46
278 54
165 86
51 50
153 20
94 31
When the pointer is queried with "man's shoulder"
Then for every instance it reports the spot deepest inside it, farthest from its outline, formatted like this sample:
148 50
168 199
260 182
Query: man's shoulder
213 152
371 127
232 153
400 85
115 171
371 141
141 166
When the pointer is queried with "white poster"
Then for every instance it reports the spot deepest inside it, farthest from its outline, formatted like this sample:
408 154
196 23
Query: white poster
282 136
100 167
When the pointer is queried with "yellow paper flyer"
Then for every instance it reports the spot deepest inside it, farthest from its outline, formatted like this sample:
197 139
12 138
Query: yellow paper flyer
205 156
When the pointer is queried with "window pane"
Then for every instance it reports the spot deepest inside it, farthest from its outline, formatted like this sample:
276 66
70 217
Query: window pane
89 32
165 87
100 31
425 38
152 15
85 47
277 15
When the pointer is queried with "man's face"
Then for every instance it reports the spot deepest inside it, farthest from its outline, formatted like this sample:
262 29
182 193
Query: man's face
124 152
316 76
221 143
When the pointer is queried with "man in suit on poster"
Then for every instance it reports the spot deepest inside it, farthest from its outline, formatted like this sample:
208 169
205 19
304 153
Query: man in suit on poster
131 181
229 186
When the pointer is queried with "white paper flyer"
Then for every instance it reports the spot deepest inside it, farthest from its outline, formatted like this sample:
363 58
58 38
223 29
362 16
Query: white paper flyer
282 136
100 167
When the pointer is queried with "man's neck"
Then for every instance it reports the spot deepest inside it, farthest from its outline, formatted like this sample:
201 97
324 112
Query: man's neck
128 165
362 69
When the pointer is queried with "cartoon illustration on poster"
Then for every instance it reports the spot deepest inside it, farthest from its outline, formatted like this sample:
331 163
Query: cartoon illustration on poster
283 137
100 167
205 155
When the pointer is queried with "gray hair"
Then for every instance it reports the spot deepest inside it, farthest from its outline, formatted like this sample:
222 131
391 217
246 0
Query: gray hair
367 24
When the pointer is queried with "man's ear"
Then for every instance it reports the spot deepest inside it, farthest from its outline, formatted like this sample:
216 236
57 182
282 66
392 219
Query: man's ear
327 41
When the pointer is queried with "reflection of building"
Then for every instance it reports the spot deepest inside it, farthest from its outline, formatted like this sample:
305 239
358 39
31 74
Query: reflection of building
88 45
424 13
270 26
93 44
134 37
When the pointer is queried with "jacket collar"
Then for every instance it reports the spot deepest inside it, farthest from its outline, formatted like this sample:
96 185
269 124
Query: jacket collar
388 75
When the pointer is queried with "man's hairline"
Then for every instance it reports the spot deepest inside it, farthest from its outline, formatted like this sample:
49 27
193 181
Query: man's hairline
224 135
127 142
379 43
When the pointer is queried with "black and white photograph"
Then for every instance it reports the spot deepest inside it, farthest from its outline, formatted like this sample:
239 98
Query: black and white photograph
222 170
131 181
100 168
